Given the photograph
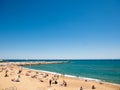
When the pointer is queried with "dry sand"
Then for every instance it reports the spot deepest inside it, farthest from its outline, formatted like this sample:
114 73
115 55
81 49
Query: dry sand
28 83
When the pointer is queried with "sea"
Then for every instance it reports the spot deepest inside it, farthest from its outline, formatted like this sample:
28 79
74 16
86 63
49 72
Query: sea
100 70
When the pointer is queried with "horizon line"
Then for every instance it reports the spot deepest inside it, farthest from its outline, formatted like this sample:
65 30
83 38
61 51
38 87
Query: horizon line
61 59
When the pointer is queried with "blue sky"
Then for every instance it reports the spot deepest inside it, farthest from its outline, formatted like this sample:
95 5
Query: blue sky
58 29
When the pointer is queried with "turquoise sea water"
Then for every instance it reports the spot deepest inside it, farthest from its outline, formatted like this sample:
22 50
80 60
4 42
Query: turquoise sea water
105 70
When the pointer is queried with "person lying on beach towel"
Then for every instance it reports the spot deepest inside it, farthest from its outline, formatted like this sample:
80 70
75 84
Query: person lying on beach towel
34 76
27 74
16 79
40 79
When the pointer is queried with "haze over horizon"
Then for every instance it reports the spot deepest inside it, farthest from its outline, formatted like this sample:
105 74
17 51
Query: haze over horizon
60 29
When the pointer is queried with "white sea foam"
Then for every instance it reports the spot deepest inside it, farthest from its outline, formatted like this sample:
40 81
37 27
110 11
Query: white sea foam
91 79
84 78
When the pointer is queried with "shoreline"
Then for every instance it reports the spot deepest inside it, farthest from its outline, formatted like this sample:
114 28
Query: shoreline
22 64
32 79
72 76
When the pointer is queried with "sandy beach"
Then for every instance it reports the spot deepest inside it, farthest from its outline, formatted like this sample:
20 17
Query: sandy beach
14 77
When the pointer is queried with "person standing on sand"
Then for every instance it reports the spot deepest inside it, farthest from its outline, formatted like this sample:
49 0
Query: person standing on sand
50 82
93 87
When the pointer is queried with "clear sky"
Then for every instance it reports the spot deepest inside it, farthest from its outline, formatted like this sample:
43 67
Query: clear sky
57 29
